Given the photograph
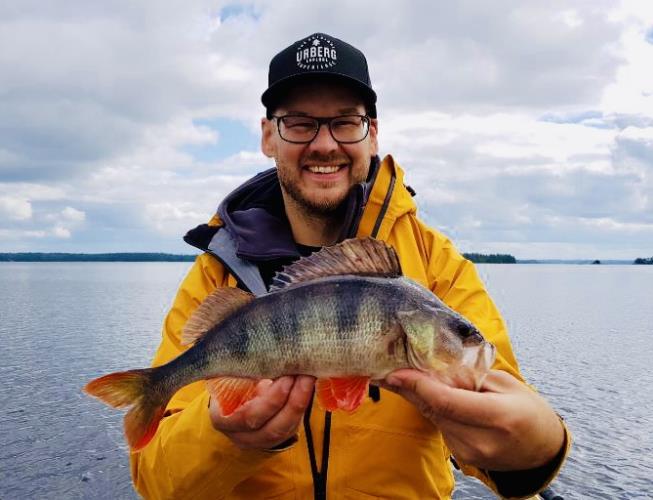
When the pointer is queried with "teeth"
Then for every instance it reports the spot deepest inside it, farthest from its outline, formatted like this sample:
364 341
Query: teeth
324 169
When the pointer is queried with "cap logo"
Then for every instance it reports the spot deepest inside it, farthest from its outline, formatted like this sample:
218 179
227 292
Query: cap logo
316 52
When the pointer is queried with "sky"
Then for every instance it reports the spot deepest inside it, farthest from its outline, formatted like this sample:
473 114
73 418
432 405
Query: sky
524 127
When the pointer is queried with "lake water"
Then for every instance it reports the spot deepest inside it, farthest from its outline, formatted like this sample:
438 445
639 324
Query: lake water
583 335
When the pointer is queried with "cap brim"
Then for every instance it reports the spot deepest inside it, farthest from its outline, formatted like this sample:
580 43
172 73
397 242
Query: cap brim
275 92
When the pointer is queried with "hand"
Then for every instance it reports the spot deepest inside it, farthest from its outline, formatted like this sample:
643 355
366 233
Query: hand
505 426
269 419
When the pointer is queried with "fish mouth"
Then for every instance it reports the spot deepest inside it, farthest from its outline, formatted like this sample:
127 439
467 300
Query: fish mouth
477 360
464 367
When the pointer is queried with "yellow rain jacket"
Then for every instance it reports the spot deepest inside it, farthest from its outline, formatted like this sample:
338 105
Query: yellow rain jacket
385 449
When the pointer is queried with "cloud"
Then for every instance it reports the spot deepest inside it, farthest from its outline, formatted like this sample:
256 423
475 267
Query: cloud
15 208
64 221
18 234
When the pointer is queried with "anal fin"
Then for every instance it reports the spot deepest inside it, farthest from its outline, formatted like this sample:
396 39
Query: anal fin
346 393
231 393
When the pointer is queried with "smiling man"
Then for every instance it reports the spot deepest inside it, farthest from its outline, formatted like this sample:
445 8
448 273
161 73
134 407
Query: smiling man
322 140
328 185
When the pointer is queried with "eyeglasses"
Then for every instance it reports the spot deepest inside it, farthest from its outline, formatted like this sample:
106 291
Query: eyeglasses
301 129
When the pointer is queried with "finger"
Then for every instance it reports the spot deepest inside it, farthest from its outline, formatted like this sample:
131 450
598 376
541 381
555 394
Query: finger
501 382
286 422
263 385
439 400
293 411
256 412
411 397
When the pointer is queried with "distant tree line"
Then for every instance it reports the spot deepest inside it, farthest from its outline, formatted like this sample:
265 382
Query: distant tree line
640 260
94 257
495 258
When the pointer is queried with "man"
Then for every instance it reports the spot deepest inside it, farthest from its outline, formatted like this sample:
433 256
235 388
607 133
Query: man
329 184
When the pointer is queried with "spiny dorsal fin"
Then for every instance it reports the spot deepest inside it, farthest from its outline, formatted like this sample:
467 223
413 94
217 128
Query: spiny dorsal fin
219 304
364 257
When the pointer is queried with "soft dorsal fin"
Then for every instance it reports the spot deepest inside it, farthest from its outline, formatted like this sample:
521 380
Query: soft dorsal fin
366 257
219 304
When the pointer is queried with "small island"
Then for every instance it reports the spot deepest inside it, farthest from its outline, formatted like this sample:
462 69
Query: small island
644 261
495 258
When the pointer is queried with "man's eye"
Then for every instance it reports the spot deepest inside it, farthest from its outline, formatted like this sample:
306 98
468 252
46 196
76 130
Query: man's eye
345 122
300 124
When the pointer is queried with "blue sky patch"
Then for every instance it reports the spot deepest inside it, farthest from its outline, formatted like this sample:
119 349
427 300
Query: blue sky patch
233 138
236 10
578 117
649 35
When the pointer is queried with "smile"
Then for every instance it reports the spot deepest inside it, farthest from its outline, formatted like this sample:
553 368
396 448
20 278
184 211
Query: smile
324 169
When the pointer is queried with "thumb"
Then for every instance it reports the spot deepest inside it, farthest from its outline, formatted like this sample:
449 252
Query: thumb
426 386
429 394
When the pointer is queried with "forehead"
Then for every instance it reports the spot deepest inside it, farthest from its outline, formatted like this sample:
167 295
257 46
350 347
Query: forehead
322 98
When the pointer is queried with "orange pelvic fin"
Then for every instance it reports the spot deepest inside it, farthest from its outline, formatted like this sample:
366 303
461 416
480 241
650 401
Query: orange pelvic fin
341 393
231 393
132 388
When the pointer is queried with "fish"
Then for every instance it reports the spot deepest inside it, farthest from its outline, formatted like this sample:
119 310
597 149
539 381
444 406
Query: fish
345 315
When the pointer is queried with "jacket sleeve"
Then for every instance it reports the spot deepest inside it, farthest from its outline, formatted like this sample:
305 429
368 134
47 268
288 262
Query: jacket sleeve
188 458
455 280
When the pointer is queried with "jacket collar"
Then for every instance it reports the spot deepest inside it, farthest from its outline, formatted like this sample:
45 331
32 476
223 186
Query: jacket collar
254 216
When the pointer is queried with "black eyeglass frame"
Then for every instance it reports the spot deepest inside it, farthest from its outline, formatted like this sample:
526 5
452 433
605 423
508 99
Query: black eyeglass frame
322 121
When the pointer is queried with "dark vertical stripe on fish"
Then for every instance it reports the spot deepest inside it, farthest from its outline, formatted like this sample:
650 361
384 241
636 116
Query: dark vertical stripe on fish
236 338
277 325
292 328
349 304
286 332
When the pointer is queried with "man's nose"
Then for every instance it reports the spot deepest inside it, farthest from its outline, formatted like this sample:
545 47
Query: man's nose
323 141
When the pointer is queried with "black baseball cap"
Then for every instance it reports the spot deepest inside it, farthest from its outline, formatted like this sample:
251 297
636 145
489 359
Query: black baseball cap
318 57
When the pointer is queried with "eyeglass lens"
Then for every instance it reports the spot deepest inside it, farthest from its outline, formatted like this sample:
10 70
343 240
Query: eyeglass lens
345 129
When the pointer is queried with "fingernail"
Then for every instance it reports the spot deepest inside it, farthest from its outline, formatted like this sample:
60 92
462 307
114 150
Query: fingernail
264 383
306 384
287 384
393 381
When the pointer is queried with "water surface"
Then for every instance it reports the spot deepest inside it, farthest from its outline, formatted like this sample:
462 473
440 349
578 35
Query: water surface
582 335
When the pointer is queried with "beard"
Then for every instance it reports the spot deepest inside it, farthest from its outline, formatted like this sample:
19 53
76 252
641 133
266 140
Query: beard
325 205
322 206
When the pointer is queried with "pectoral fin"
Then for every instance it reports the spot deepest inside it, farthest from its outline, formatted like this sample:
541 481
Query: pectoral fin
341 393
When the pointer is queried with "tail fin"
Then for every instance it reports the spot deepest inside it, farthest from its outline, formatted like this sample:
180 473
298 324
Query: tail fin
133 388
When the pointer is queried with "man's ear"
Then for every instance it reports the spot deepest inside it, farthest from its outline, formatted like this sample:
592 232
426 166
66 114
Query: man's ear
374 130
268 132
